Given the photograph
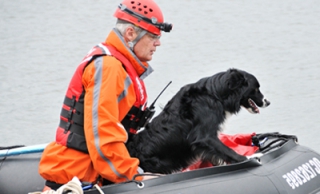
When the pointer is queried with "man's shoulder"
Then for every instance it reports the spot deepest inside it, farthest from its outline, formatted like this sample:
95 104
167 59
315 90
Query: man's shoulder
107 62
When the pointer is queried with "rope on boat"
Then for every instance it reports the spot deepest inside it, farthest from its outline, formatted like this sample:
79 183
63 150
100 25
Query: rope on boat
98 188
140 184
72 187
8 148
11 147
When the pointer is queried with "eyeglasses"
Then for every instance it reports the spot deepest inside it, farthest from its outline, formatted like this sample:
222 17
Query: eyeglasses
153 36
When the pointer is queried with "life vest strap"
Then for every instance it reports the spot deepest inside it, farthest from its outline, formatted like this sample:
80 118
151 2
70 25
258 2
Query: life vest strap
73 127
75 117
75 105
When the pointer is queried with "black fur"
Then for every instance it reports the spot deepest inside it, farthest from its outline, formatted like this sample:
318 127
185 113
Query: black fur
187 128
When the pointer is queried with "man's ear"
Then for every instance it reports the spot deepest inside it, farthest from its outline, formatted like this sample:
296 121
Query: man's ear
129 34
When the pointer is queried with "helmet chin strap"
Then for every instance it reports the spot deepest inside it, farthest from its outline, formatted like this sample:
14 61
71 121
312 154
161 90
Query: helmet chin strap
134 42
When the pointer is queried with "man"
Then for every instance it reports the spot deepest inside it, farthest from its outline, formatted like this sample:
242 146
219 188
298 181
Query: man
104 102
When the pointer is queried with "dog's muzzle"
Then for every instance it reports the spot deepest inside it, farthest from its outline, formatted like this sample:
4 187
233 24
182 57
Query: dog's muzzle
266 103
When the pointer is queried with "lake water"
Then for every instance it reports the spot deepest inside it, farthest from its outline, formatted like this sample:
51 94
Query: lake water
42 42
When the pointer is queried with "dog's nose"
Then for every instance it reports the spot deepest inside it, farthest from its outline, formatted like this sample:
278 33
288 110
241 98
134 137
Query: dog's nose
266 102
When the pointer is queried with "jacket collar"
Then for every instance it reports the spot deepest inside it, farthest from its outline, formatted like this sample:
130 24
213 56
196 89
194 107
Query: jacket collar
116 40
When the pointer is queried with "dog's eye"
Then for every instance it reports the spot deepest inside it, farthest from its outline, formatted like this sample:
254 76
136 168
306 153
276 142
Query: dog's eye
257 89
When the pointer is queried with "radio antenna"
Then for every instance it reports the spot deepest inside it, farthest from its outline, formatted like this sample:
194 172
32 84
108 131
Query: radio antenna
152 105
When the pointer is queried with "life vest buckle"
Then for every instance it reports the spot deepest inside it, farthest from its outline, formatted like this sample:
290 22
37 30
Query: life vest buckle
73 101
67 127
70 112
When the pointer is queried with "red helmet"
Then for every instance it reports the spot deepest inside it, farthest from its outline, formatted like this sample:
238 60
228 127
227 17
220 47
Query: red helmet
143 13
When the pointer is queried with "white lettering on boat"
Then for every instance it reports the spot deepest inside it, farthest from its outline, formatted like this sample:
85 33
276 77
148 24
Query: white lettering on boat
303 173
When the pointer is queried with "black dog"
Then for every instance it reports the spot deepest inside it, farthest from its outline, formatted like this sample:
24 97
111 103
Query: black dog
187 128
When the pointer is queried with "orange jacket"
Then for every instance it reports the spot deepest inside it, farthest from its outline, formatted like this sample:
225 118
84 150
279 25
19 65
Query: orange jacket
104 133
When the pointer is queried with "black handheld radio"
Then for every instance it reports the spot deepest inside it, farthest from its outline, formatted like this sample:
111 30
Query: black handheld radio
149 112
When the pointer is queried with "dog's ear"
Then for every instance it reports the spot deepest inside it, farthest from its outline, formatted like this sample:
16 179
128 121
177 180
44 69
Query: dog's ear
235 79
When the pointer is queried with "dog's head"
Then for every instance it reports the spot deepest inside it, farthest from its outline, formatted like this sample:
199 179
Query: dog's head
248 86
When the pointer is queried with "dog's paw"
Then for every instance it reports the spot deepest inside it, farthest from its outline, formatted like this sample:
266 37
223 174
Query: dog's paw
255 155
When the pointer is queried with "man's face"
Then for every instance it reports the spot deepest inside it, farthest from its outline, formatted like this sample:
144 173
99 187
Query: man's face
146 46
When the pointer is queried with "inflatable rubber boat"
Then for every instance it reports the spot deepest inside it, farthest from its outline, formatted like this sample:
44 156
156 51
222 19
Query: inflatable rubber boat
284 167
